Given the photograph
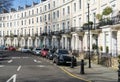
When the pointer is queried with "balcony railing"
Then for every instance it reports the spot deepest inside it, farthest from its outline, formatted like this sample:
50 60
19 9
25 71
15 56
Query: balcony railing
44 34
64 31
76 29
110 21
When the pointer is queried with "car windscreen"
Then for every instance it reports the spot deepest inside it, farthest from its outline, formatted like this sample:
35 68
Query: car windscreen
38 49
63 52
52 51
46 49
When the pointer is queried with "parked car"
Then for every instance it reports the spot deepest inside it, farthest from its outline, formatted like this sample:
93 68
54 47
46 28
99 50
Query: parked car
25 50
11 48
62 56
44 52
50 54
3 56
36 51
3 47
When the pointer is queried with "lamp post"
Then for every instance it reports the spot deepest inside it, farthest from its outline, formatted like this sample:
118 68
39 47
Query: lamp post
89 36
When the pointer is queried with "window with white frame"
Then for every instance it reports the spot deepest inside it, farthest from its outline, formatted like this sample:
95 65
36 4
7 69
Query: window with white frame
49 6
79 22
37 19
40 18
53 15
32 12
32 20
63 1
53 3
68 9
63 25
36 30
74 7
37 10
49 16
45 17
68 24
63 11
40 9
80 4
53 27
40 30
57 13
45 7
74 22
57 27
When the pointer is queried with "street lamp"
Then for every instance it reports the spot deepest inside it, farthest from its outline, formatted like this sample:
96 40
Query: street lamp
88 1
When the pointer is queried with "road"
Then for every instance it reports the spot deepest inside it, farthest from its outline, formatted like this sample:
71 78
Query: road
24 67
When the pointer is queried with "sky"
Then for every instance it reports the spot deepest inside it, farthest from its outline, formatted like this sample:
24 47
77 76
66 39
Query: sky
17 3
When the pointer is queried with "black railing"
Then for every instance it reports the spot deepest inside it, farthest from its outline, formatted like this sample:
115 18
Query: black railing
44 34
110 21
15 35
116 20
76 29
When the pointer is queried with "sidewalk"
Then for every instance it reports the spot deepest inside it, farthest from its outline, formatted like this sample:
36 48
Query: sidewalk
97 73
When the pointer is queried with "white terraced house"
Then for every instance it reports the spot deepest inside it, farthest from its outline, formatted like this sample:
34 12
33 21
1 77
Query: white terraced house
62 24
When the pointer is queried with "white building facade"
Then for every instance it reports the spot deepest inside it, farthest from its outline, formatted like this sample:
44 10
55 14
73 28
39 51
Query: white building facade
59 24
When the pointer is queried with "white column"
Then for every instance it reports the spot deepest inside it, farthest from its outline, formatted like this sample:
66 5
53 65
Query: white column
62 42
91 41
52 43
77 42
65 42
74 40
72 47
86 42
110 42
104 42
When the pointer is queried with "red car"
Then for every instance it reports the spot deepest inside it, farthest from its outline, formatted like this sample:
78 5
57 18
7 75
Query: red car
11 48
44 52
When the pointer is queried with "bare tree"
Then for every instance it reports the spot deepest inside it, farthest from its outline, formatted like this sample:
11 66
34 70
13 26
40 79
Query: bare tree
5 4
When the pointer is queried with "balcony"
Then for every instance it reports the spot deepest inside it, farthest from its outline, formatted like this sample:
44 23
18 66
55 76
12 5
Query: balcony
15 35
44 34
110 21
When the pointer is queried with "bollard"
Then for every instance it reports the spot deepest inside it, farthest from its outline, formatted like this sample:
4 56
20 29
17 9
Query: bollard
72 62
119 73
82 67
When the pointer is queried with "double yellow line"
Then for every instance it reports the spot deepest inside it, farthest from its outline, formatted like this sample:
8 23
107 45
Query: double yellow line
70 74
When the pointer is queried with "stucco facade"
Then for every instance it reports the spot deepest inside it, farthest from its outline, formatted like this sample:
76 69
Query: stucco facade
58 23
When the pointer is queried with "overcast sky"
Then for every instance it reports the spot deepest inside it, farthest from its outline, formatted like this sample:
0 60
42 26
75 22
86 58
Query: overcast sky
17 3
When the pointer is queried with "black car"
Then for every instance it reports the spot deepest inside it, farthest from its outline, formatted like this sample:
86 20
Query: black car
50 54
2 56
62 56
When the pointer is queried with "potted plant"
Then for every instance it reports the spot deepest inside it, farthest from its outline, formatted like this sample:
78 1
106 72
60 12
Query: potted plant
99 17
107 11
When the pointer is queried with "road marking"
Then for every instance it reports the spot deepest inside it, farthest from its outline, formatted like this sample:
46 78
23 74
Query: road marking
75 76
40 65
18 69
25 57
1 65
13 78
16 57
37 61
10 61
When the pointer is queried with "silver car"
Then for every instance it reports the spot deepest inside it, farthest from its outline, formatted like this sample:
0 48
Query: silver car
25 50
36 51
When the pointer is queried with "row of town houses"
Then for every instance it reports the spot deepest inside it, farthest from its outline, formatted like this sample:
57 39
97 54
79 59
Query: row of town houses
63 24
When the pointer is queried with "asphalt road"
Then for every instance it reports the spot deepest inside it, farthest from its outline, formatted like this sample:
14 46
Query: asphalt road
24 67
